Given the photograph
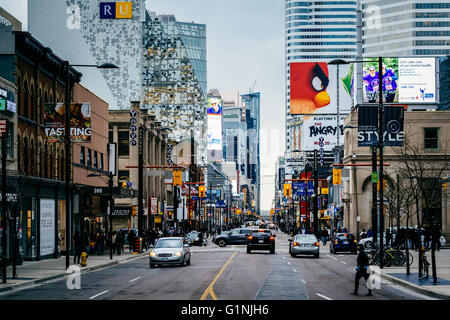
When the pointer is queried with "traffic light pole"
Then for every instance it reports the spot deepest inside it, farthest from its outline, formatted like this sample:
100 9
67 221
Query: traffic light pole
140 180
380 146
316 197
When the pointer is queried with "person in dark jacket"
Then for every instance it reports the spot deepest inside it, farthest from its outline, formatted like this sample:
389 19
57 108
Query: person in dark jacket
78 244
119 242
131 240
362 262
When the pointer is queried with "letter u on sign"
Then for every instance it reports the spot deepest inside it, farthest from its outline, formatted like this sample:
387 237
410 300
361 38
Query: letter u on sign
116 10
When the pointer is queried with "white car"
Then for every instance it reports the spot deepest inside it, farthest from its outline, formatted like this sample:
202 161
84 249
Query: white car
367 242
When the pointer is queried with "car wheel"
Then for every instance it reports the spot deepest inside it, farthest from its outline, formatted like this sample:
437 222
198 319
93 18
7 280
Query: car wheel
222 243
152 265
249 250
316 255
292 255
334 251
272 251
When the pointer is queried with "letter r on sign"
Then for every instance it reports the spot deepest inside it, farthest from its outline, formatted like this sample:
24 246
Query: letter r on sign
107 10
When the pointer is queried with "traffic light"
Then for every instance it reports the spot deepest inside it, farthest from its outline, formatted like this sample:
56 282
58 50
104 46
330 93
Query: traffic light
201 191
177 178
337 176
384 185
133 211
124 184
287 190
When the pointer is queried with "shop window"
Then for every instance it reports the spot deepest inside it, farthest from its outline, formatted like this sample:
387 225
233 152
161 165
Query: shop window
111 136
431 138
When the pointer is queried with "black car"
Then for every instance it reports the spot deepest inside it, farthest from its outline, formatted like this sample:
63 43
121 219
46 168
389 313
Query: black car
235 236
261 239
193 238
343 242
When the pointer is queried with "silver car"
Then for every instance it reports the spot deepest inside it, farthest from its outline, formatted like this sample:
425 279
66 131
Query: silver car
304 244
170 251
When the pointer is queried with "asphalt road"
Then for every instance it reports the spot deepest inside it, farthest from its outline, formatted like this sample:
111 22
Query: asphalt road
227 273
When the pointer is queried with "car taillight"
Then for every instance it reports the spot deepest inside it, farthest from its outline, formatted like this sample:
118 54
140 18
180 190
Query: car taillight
250 238
336 242
316 244
354 241
296 244
272 238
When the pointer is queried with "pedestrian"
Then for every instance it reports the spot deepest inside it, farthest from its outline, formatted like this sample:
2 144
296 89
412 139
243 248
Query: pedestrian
77 244
113 241
324 234
119 242
131 240
362 262
388 237
100 243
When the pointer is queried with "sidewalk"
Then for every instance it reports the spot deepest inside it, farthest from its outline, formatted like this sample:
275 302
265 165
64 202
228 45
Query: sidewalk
33 272
440 290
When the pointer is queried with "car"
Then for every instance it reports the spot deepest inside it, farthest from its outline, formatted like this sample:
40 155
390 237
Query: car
170 251
193 239
345 242
271 226
235 236
367 242
304 244
261 239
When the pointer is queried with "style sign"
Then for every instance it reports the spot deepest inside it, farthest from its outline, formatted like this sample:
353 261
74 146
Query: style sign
80 122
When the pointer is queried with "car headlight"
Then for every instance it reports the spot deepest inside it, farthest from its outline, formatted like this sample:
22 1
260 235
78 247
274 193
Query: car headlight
153 254
179 253
197 239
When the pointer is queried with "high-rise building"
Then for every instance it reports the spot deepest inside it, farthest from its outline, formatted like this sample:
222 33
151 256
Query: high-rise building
315 31
77 31
406 28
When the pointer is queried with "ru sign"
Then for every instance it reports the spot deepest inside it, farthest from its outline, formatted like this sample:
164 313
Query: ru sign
116 10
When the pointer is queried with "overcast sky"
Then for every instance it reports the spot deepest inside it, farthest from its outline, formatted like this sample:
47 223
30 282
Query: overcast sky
245 42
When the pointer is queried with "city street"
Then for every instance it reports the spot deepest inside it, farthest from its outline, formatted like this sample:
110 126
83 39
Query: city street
227 273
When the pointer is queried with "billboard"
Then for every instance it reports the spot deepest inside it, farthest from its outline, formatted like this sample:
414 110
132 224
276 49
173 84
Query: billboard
392 127
313 88
80 122
214 134
405 80
320 132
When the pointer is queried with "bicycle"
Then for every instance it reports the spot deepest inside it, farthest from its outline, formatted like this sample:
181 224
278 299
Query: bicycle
425 267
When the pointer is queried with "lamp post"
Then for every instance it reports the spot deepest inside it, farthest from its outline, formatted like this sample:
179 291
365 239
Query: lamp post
68 146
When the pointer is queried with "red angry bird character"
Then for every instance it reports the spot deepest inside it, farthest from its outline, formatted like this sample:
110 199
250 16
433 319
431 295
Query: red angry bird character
309 82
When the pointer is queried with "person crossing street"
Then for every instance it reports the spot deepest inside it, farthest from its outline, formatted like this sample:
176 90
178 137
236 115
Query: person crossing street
362 262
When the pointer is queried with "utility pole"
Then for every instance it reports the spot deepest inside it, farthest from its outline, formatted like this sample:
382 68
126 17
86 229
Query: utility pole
374 197
4 215
316 197
140 180
380 146
68 162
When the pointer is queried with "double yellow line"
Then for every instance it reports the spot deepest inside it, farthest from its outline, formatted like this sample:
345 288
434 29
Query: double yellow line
209 290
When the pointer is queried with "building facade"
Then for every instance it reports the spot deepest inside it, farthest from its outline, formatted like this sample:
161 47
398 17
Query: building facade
406 28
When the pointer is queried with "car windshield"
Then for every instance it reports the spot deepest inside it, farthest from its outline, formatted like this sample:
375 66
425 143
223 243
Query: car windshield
168 243
306 238
261 232
192 234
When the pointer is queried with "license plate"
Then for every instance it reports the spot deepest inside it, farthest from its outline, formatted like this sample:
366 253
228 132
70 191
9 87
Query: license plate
345 242
165 259
261 241
306 245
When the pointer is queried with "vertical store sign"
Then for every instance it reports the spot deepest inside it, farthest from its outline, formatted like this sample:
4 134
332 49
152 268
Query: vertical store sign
47 226
133 127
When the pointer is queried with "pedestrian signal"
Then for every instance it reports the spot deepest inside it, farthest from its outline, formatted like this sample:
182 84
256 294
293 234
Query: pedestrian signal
287 190
201 191
384 185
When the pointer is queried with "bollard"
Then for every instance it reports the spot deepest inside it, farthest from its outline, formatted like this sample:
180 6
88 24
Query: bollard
137 246
83 259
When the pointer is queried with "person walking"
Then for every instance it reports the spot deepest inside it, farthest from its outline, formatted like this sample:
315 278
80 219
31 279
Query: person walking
362 262
119 242
100 243
131 240
324 234
77 244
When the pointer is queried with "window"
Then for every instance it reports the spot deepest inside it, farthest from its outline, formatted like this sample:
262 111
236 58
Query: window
89 159
82 157
111 136
431 138
123 144
95 160
101 161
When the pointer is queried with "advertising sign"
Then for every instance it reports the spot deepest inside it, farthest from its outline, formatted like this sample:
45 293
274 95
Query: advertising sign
392 127
215 106
301 189
122 212
80 122
320 132
405 80
313 88
116 10
214 118
47 226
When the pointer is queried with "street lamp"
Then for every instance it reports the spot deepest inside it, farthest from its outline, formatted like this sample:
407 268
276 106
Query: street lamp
68 145
380 147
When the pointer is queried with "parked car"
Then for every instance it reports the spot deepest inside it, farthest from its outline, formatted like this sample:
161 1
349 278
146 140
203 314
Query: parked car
235 236
193 238
261 239
367 242
170 251
345 242
304 244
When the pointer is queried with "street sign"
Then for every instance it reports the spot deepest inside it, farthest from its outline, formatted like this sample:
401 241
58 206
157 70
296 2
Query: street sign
374 177
177 178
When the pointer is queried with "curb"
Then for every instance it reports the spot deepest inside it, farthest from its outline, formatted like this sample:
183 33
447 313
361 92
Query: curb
416 288
57 276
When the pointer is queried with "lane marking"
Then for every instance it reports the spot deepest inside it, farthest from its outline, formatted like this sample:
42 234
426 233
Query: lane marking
294 270
343 262
135 279
289 263
322 296
332 257
93 297
209 290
